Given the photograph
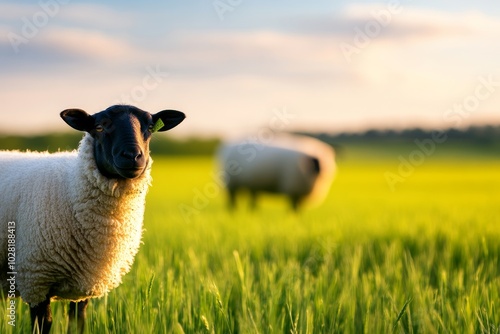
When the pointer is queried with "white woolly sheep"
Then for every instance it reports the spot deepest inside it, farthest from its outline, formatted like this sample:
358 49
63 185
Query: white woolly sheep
299 167
77 216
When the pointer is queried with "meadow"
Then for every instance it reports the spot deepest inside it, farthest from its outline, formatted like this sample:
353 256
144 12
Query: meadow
419 257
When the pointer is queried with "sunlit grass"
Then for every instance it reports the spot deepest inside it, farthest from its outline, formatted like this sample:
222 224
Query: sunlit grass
421 259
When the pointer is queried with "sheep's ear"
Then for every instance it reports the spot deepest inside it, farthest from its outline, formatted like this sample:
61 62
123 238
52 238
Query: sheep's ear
167 119
78 119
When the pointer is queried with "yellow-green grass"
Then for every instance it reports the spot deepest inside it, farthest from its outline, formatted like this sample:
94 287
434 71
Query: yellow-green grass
422 257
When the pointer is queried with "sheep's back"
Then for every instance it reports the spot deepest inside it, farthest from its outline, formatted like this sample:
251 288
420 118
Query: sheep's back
33 180
264 168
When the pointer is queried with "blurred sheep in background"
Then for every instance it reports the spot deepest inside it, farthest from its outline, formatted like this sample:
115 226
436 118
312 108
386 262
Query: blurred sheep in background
301 168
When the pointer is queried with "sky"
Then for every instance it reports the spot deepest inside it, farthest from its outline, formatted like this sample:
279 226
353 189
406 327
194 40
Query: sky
238 67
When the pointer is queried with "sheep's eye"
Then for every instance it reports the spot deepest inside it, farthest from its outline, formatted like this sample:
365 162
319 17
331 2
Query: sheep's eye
99 128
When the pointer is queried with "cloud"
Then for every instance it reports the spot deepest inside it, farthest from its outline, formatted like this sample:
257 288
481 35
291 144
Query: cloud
397 23
56 48
255 53
307 47
88 45
97 16
68 13
53 34
15 11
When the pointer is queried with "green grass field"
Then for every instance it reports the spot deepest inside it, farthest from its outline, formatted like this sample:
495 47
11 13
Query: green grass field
423 258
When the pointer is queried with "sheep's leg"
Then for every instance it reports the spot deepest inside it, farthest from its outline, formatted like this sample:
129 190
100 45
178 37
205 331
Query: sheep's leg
296 201
77 316
232 198
41 317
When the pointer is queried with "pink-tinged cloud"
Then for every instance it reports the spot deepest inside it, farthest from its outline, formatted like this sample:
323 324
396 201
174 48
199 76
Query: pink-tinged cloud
89 45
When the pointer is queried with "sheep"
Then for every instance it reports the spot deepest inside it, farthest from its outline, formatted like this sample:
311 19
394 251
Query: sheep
77 216
299 167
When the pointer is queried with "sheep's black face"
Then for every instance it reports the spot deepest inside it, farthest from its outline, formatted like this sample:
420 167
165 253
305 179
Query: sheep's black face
122 137
122 134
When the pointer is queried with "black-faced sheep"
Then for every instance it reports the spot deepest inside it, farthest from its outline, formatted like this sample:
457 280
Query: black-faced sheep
78 215
299 167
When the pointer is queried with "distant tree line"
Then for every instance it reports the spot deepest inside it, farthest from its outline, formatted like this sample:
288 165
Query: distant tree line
480 135
69 141
484 136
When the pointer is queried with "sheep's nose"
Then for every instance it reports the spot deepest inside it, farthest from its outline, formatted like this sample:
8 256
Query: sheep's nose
134 155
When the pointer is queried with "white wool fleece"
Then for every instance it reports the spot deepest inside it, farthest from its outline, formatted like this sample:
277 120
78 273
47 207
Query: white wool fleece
77 232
